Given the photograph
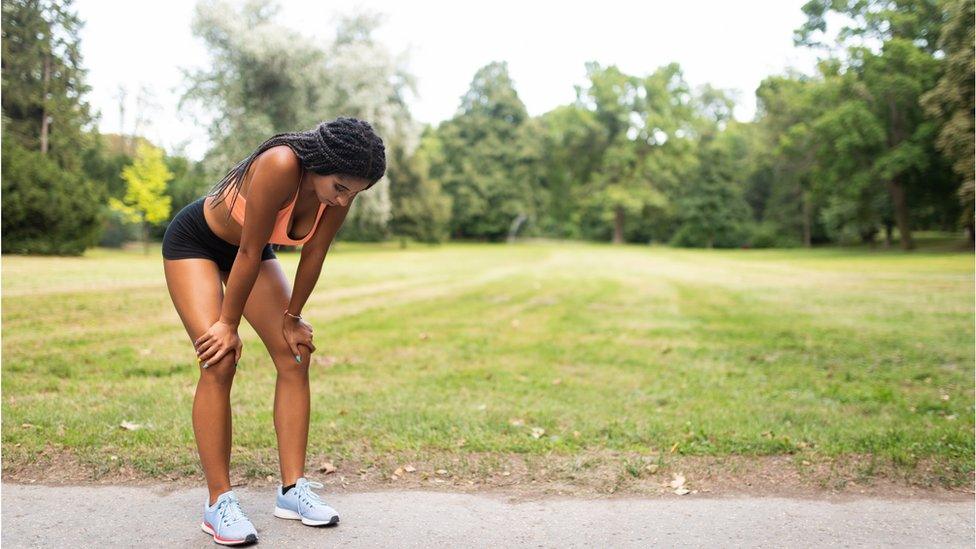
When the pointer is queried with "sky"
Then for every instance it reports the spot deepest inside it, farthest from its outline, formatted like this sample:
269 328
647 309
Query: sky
146 44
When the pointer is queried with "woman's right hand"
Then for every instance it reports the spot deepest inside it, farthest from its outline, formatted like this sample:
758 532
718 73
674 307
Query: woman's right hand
220 339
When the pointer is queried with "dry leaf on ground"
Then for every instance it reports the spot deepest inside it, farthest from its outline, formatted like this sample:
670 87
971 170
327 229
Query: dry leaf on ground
327 468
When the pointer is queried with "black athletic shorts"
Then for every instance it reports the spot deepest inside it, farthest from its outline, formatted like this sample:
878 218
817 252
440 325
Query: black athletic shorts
188 235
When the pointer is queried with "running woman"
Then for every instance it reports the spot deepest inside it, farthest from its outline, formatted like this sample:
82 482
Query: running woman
294 189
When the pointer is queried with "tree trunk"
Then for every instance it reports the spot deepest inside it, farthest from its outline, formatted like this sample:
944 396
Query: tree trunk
896 134
807 222
145 238
618 225
901 213
45 117
888 230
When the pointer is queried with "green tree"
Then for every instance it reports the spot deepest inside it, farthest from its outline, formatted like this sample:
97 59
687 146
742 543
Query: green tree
145 202
479 158
892 81
952 101
421 210
648 150
49 205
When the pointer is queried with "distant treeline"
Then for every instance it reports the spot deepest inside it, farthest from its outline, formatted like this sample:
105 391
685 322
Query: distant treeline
878 143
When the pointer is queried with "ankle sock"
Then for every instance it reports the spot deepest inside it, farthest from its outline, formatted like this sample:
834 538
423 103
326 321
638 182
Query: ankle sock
285 489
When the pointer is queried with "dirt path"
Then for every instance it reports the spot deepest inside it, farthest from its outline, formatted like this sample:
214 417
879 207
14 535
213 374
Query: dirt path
113 516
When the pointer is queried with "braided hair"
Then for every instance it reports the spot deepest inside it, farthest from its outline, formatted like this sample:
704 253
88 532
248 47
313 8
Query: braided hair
345 146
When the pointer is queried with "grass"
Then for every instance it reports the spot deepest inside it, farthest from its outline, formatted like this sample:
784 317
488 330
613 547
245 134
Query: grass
464 349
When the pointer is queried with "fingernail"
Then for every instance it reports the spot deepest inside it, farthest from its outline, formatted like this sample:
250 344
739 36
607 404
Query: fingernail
205 365
298 358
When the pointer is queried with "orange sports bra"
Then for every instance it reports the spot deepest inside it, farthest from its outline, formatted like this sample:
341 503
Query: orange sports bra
279 235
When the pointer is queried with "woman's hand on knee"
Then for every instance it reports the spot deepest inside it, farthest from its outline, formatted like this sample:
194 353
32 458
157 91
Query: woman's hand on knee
297 332
219 340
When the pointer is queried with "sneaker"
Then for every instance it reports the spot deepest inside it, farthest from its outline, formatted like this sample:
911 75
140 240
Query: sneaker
301 503
226 521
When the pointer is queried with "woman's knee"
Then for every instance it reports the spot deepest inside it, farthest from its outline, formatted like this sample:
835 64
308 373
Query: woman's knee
287 366
221 371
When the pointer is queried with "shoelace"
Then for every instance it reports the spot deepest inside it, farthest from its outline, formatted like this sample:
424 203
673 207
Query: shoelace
306 494
230 511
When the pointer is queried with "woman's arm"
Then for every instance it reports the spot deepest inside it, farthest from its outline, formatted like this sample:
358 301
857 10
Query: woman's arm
275 173
313 255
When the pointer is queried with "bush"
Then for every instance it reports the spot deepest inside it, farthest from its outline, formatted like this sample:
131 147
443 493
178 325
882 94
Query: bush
768 235
46 210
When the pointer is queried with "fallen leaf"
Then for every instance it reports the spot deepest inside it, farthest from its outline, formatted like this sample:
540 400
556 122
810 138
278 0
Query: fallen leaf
27 425
441 471
516 323
129 426
678 481
327 467
424 336
482 407
557 381
343 412
409 468
362 470
506 473
681 491
538 432
398 472
576 434
516 422
675 447
651 468
461 442
113 458
145 352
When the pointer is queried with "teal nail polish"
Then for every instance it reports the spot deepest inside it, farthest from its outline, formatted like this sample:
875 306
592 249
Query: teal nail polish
298 358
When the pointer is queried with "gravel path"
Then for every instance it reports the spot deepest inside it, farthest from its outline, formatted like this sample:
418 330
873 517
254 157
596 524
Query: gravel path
80 516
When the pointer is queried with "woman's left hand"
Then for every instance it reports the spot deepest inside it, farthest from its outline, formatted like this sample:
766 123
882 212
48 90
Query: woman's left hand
297 332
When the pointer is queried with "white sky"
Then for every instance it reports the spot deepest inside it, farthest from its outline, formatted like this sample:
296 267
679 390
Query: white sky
145 43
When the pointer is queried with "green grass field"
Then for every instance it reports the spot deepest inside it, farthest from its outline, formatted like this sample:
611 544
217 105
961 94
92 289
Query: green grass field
537 349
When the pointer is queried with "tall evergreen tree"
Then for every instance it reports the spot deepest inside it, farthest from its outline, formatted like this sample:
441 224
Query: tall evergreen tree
49 205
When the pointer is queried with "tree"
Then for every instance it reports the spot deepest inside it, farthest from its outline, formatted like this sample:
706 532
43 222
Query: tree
480 154
952 101
711 206
893 80
49 205
421 210
145 202
648 150
43 80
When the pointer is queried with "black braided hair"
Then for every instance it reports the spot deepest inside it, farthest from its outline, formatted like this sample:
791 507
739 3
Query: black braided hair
345 146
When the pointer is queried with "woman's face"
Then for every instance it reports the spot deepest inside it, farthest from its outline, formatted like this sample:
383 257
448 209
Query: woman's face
336 189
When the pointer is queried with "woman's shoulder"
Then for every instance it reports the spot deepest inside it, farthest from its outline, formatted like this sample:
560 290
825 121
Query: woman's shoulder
280 158
275 174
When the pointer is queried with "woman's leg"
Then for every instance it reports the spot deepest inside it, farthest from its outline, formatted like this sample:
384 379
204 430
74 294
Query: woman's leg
264 311
194 286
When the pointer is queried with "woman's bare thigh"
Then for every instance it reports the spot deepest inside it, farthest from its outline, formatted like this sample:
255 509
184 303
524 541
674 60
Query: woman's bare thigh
194 286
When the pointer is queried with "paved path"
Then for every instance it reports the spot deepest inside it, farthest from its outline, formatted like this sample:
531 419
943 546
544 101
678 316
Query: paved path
39 516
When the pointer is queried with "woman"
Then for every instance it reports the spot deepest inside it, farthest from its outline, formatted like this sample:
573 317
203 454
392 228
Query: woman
293 184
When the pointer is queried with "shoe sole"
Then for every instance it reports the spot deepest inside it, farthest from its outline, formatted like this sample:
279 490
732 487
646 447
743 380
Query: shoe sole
292 515
251 538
